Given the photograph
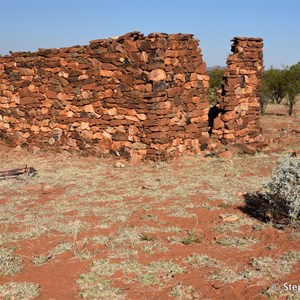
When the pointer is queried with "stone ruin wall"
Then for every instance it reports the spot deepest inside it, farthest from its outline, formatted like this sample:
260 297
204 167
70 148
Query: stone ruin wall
134 96
238 111
131 95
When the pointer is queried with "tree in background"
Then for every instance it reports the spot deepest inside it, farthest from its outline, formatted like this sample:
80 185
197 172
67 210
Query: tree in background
265 94
276 85
280 84
272 88
216 75
275 81
292 86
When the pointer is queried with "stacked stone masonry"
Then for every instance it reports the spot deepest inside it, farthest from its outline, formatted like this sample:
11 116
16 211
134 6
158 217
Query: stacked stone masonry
238 119
131 96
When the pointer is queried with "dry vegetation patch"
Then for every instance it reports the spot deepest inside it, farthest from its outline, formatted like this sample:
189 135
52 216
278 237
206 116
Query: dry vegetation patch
171 230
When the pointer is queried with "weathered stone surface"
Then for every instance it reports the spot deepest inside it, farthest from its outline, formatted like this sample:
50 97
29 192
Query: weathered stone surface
136 96
225 154
239 100
218 123
242 148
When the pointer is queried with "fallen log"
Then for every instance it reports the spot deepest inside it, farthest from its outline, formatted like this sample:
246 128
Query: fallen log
14 173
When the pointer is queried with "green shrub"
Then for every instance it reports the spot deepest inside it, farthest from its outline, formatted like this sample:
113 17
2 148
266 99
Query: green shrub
215 84
279 200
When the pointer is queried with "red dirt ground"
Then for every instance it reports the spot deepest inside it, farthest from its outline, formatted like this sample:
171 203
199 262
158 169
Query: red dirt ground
143 213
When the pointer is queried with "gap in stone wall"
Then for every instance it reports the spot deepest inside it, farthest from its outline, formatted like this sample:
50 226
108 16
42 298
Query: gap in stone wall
133 96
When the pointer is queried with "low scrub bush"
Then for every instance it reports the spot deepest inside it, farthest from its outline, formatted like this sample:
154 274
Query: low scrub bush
279 199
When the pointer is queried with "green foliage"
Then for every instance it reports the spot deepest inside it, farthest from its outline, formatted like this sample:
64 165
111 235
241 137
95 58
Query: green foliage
292 86
278 84
275 81
264 97
215 81
272 87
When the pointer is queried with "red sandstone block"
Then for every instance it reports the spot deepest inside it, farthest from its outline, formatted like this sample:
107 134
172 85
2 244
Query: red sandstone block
190 67
191 128
98 122
25 92
172 53
165 112
191 106
112 57
176 91
231 125
75 73
157 75
192 44
132 118
108 93
201 69
218 123
230 115
180 36
107 66
4 100
191 92
178 101
159 138
173 44
118 136
228 107
126 78
120 122
51 94
28 100
203 126
130 46
26 71
143 87
106 73
152 121
124 87
229 136
154 99
196 53
165 105
131 112
159 128
159 43
203 105
178 135
134 94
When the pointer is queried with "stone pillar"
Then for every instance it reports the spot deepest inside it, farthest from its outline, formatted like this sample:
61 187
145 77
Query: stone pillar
238 105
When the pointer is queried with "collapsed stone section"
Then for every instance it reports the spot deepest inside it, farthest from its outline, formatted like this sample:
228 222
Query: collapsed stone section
133 95
238 105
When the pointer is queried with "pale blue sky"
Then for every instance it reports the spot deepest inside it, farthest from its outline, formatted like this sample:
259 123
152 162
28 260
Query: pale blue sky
29 25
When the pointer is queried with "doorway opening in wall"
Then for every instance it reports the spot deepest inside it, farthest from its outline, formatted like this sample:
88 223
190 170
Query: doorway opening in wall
213 113
215 90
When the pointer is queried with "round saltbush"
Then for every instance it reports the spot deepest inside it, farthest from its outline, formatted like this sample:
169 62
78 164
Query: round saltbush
282 191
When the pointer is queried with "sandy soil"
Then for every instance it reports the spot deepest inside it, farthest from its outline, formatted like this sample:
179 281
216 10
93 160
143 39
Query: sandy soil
82 228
